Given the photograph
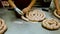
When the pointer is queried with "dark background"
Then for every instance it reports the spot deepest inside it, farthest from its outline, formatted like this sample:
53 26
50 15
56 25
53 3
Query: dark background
39 3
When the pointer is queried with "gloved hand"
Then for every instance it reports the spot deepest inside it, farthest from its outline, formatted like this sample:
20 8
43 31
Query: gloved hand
18 11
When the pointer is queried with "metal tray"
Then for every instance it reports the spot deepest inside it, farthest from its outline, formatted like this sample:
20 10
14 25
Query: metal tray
19 26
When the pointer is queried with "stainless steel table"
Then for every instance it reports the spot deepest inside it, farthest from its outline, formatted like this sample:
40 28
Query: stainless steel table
19 26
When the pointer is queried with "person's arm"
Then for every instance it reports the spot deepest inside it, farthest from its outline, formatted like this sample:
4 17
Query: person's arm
32 3
11 3
57 4
25 10
15 8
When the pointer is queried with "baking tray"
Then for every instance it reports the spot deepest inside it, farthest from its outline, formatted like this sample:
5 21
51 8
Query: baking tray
18 26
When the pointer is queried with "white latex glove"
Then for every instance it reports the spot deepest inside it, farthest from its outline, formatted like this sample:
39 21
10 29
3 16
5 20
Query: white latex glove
18 11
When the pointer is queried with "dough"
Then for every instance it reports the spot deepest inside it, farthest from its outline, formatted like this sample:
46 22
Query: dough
2 26
35 15
55 13
51 24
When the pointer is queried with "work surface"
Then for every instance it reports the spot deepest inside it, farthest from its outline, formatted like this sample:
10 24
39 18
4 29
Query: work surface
19 26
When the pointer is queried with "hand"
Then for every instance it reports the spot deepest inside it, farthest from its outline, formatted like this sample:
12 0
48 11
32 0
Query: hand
25 10
58 12
18 11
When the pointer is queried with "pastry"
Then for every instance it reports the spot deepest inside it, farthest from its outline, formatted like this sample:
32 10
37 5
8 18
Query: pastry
55 13
3 27
5 3
51 24
35 15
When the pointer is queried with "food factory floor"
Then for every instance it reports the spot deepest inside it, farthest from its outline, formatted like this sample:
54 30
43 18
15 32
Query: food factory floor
19 26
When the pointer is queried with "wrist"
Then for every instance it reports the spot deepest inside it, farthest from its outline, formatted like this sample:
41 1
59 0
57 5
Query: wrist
58 8
29 7
18 10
